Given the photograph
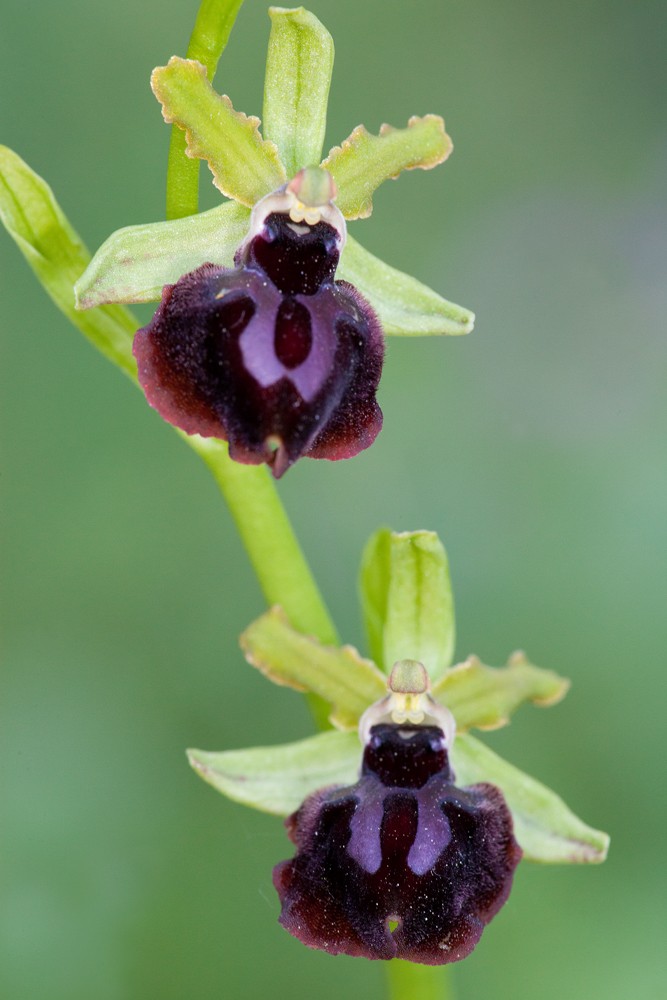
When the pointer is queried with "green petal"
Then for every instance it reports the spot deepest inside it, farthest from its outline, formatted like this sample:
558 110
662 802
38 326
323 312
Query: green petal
245 167
57 255
544 826
278 779
405 307
407 600
296 88
135 263
485 697
364 161
340 676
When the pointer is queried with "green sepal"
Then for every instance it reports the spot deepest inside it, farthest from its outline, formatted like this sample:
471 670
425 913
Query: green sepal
407 600
57 255
296 88
277 779
485 697
134 264
405 306
547 830
341 677
245 167
363 161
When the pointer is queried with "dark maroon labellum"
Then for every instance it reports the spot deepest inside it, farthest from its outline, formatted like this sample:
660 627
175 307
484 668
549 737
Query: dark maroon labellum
275 356
403 864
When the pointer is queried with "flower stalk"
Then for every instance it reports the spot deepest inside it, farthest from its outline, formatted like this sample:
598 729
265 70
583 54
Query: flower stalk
269 539
407 981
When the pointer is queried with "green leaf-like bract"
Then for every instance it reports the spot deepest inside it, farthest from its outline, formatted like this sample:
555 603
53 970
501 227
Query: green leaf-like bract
407 600
296 88
405 306
57 255
245 167
135 263
363 161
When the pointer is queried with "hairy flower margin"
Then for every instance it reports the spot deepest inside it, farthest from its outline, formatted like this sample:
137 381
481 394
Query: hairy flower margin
412 857
269 332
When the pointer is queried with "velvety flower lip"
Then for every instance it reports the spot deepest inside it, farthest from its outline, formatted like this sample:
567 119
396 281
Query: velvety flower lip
402 864
274 356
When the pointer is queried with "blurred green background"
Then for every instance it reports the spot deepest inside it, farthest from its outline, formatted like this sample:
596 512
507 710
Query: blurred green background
535 448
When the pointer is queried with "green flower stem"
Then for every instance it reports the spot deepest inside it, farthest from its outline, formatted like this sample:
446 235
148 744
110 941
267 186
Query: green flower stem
215 20
274 552
272 547
267 535
418 982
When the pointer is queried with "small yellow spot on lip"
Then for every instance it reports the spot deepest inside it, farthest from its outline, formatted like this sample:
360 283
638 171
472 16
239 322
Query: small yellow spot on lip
221 294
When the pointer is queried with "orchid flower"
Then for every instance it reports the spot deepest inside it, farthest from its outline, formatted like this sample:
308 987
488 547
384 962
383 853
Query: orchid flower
412 857
269 334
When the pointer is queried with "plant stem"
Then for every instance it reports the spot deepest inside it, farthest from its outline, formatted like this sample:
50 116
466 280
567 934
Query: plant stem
267 535
214 22
418 982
